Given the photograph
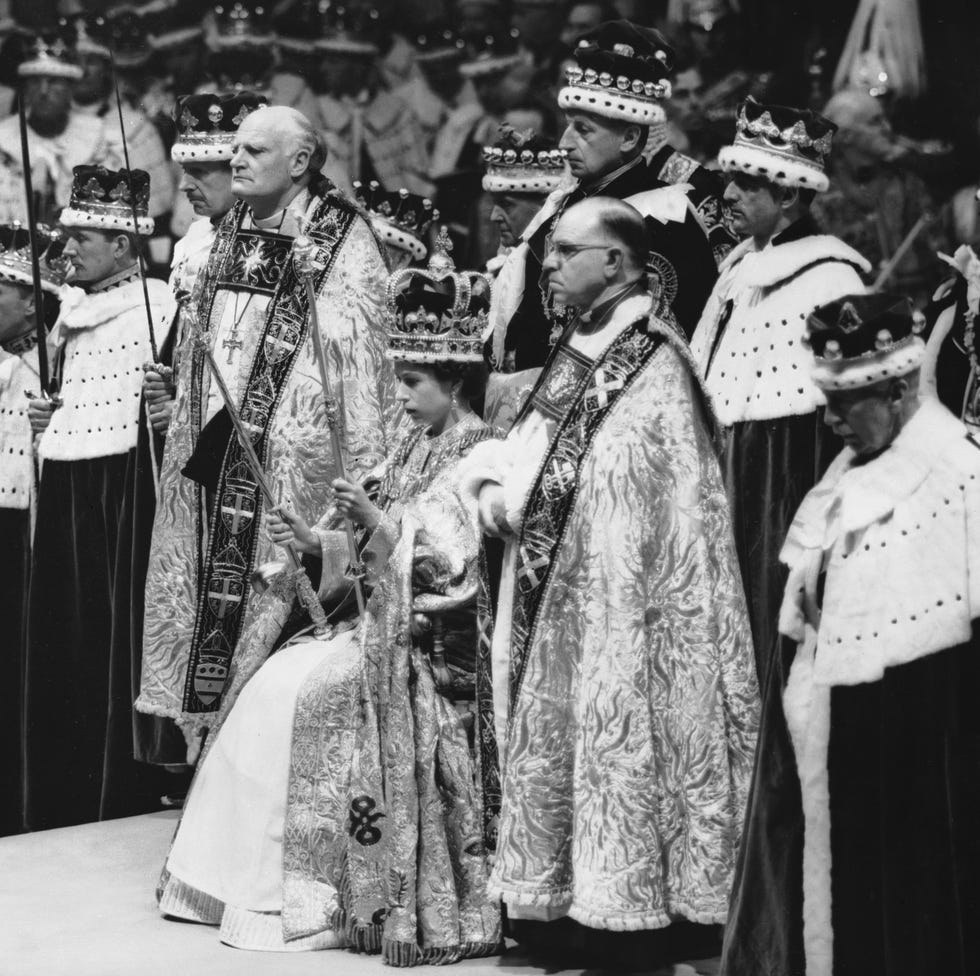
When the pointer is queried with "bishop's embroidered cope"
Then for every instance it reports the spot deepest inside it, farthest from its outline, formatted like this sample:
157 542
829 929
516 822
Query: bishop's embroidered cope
578 393
257 261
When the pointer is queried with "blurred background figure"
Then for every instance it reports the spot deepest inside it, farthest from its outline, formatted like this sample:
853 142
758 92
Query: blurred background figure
876 203
498 76
370 132
435 87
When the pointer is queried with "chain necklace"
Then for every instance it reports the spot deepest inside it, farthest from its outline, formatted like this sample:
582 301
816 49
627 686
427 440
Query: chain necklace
232 343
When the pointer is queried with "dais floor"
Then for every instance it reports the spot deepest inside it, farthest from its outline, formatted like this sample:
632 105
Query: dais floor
79 902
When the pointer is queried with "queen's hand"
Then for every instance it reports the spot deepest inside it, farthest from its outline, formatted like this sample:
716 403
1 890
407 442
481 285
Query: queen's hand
353 501
285 527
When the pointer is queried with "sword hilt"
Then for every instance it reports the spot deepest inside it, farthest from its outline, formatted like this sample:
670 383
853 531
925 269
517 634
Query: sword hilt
309 599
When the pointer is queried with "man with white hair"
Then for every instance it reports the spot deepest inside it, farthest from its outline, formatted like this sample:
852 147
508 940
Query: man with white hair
205 632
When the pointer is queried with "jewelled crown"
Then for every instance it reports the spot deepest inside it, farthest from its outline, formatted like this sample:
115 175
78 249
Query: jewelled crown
437 315
207 123
400 218
102 199
240 25
858 340
621 72
128 35
171 23
87 34
493 54
50 58
15 256
439 44
784 145
522 162
350 31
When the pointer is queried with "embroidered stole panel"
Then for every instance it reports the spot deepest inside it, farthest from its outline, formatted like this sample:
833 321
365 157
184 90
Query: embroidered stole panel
553 491
259 262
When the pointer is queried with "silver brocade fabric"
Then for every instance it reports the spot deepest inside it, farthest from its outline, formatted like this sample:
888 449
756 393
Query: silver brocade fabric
631 741
300 467
387 809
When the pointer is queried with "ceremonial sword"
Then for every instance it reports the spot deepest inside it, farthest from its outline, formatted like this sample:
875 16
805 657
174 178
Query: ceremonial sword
304 588
165 371
39 329
306 262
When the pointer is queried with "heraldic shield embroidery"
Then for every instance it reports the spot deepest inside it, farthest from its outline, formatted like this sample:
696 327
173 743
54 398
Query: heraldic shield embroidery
552 494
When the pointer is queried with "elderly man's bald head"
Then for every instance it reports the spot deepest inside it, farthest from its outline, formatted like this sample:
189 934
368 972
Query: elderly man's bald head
290 125
277 152
865 134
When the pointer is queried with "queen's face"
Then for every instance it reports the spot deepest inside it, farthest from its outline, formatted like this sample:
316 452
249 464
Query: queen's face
427 400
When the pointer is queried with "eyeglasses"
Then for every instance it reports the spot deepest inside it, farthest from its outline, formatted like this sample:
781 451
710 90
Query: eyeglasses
565 252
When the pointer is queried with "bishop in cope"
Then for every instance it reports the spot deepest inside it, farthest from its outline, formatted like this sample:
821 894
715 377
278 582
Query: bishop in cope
624 686
205 631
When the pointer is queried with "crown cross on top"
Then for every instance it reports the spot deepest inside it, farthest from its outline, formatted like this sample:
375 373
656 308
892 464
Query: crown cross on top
188 120
444 244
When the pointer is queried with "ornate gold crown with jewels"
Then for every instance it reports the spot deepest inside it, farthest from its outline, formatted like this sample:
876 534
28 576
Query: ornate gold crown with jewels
437 314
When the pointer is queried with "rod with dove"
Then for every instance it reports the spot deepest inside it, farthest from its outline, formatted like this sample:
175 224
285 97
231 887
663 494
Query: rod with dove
306 261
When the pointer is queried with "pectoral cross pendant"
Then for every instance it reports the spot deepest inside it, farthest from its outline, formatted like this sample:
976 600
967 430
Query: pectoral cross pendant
231 344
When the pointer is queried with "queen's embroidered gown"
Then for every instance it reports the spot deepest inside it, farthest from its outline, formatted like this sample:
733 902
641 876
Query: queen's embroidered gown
340 802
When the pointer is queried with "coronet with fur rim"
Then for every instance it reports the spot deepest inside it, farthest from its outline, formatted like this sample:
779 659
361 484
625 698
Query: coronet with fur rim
614 98
106 199
897 359
780 144
522 162
50 60
859 340
15 257
400 218
115 220
207 123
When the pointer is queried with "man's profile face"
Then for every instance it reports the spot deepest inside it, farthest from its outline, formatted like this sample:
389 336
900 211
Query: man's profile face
92 254
95 81
753 204
576 261
260 166
685 97
207 187
48 102
511 213
14 303
866 419
593 144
